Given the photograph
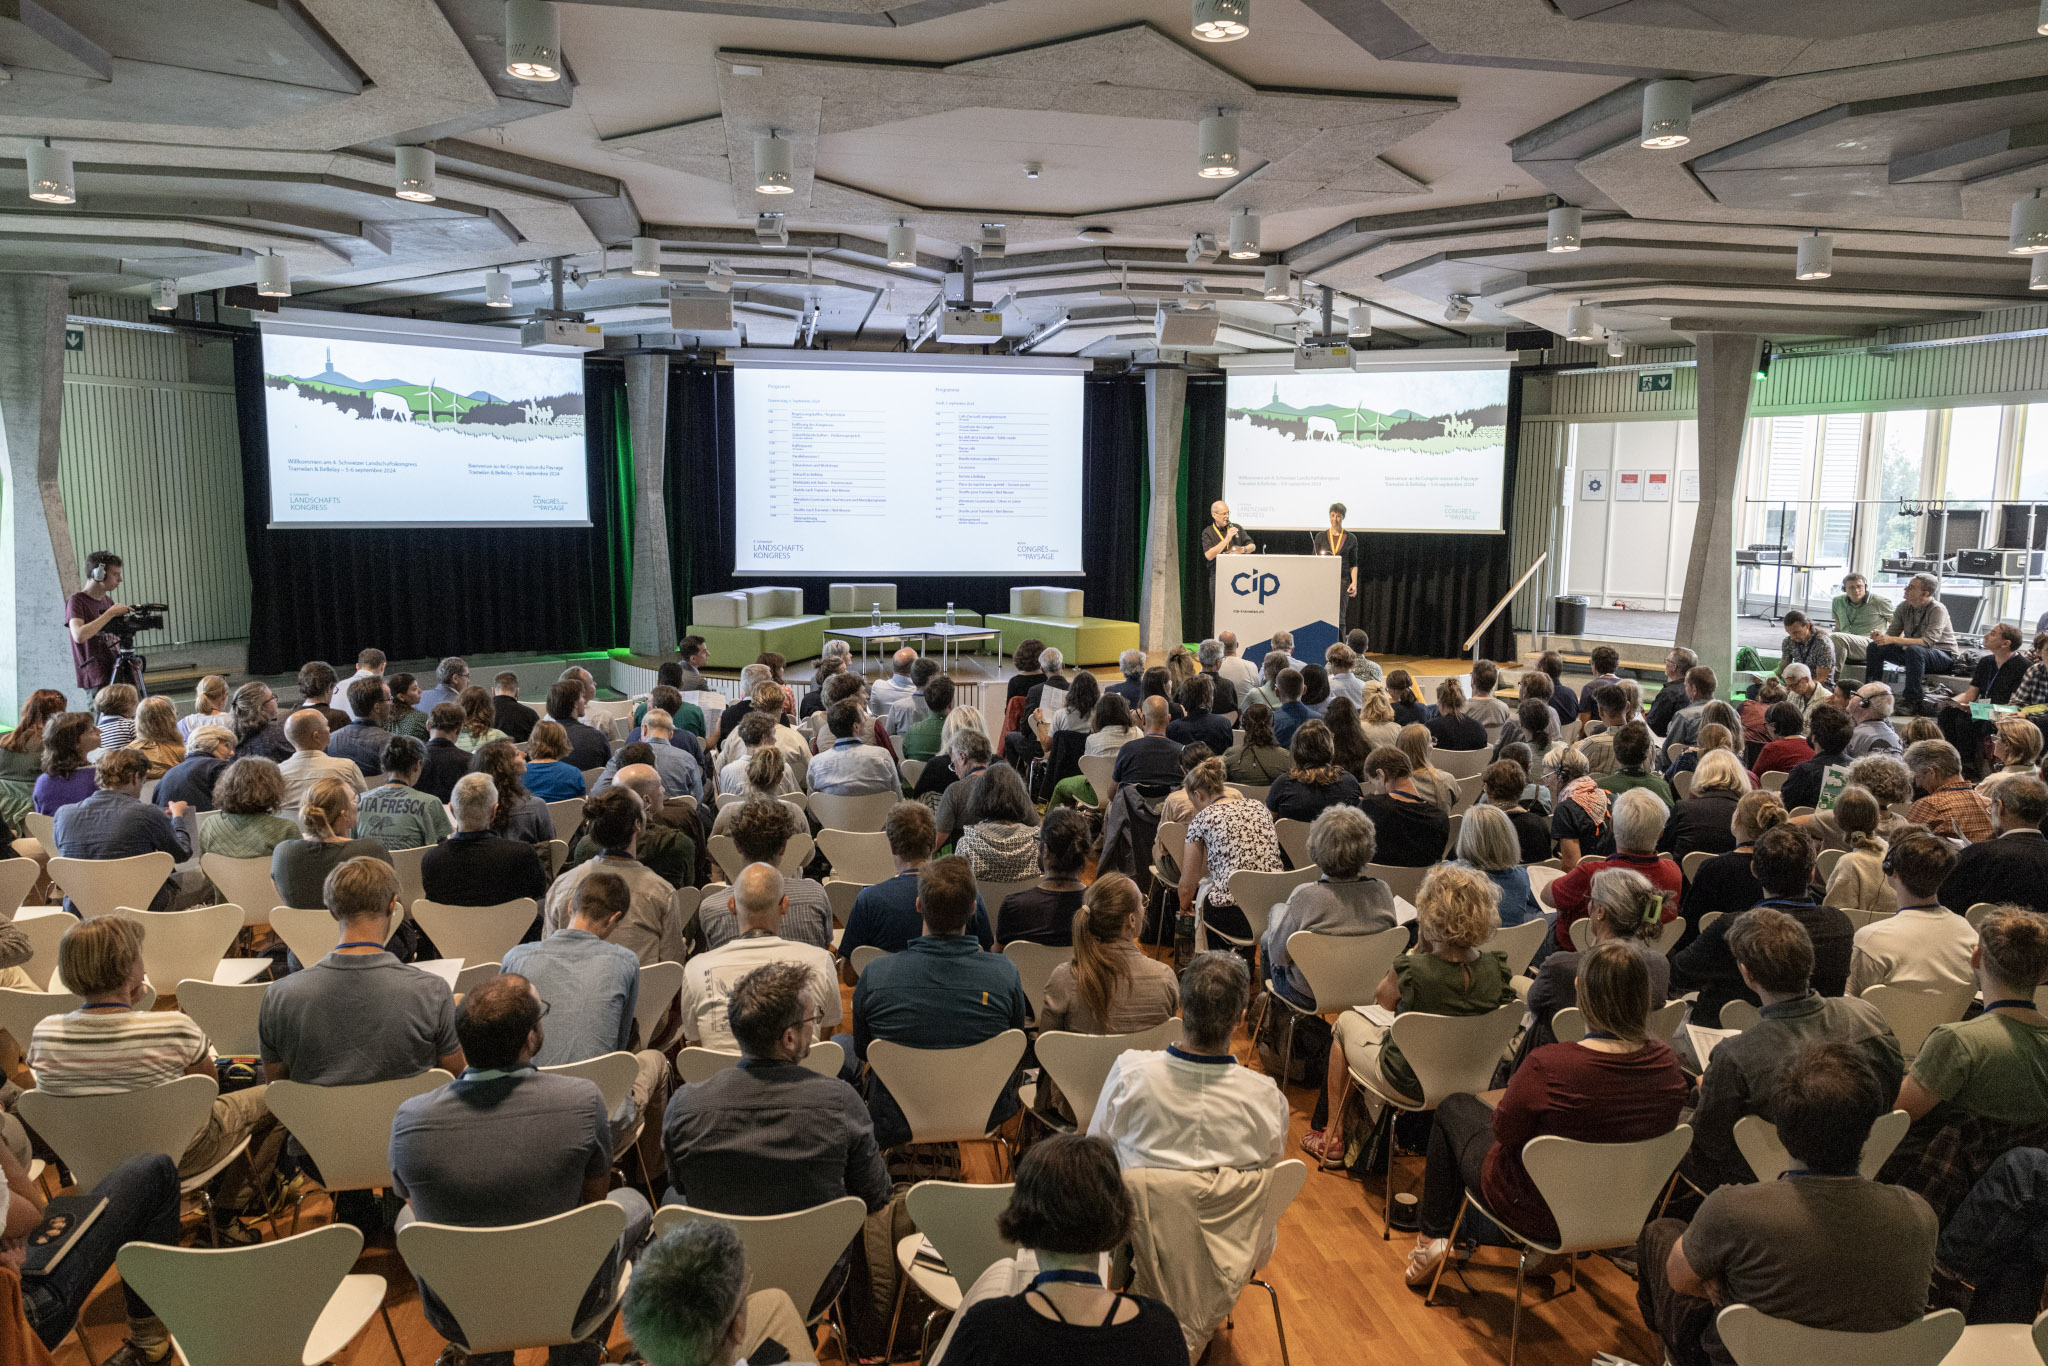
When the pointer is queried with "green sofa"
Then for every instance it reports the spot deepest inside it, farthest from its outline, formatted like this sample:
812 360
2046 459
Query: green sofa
1054 616
747 622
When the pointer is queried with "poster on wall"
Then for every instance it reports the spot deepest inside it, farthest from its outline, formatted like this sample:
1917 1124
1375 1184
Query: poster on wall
1593 486
1628 486
1658 490
1689 486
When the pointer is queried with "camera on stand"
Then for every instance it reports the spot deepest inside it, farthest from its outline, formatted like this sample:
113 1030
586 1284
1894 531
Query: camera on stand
129 664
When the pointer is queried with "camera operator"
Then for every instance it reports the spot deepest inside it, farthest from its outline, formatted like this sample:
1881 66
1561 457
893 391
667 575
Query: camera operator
91 611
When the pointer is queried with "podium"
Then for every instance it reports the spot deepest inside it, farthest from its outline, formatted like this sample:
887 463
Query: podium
1257 595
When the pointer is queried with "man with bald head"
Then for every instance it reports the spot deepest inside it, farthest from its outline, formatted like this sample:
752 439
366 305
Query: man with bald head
310 762
897 687
681 774
666 849
1151 761
708 978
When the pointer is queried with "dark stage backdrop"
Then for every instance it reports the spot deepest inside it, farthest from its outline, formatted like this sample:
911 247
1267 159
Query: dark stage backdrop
701 480
1419 593
426 593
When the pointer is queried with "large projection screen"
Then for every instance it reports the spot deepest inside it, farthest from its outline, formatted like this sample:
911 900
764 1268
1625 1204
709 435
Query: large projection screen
1407 449
912 469
380 429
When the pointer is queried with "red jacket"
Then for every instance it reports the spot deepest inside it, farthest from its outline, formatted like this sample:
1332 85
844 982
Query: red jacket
1781 756
1573 892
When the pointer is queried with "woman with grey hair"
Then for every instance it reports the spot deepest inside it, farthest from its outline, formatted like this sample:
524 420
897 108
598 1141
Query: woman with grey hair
1487 840
1886 778
1343 901
1639 816
1622 906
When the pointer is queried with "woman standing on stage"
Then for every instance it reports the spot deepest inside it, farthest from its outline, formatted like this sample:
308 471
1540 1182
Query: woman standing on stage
1341 543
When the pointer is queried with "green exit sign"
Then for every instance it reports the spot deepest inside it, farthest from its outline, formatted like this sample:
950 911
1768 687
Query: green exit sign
74 339
1653 382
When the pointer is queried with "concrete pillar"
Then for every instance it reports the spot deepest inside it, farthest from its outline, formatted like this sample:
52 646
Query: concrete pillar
1159 623
38 569
1706 619
654 604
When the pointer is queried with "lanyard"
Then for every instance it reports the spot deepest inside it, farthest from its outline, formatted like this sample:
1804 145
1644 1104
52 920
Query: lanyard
123 1005
1989 1006
1603 1034
1185 1056
360 944
1072 1277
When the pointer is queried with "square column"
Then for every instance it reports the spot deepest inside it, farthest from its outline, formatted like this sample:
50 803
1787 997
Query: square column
1706 618
1159 607
653 618
38 566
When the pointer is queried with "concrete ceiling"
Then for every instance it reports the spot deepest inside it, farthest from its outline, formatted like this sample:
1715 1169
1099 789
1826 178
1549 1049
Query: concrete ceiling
1397 151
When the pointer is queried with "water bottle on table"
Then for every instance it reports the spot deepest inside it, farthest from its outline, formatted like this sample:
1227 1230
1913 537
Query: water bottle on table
875 615
949 614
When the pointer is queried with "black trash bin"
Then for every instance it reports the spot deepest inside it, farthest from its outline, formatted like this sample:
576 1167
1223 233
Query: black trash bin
1568 617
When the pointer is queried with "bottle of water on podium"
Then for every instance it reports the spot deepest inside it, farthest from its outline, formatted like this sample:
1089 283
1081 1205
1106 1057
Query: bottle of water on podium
875 615
949 614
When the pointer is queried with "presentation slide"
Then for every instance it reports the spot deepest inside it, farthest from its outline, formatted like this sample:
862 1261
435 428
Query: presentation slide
905 471
386 433
1403 450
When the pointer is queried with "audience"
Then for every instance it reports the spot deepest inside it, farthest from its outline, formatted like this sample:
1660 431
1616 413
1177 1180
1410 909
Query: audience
762 832
445 761
1925 945
475 866
209 706
1431 784
1628 747
1832 729
587 746
1787 748
654 927
396 813
1783 861
309 763
1313 782
156 736
968 756
114 713
1870 708
520 814
247 824
1503 783
1674 697
1209 657
680 772
885 915
851 767
1726 882
1044 914
508 713
1638 819
66 775
2011 865
1704 820
114 822
1488 710
1581 812
1451 728
709 978
327 822
367 735
406 717
1256 759
921 737
257 730
1199 722
317 682
1859 882
1413 832
1348 742
1684 726
1151 763
1224 837
1292 711
1376 719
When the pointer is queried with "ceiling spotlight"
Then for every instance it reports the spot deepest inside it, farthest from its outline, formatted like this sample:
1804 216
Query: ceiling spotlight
1457 308
1034 169
2029 224
995 241
273 277
646 256
1667 114
163 295
50 180
1566 225
1279 288
1617 347
497 289
1195 294
1579 325
533 40
1219 146
771 229
1816 257
1203 249
902 245
2037 274
1244 236
718 277
1222 21
1361 320
773 159
416 174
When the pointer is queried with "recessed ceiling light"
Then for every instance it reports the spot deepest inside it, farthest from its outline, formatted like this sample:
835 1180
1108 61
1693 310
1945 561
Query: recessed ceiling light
415 174
1361 320
1816 257
1617 346
1094 232
1033 170
533 40
1566 226
773 161
646 256
1219 146
1222 21
1667 114
163 295
50 178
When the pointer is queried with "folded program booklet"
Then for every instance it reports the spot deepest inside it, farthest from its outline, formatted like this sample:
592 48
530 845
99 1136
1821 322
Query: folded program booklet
65 1221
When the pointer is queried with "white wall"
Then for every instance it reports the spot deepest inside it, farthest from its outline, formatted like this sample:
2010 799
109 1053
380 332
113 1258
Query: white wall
1633 552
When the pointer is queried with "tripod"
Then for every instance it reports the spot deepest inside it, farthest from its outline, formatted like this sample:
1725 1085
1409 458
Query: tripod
129 666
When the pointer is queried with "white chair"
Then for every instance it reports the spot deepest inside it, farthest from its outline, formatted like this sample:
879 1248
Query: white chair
1569 1024
1975 915
1668 934
1754 1338
1342 971
994 894
1681 786
98 885
21 1011
1453 826
613 1073
1711 916
520 1285
227 1011
1913 1014
310 934
842 893
1252 792
347 1129
2000 1344
1405 883
909 771
406 863
473 975
694 1064
1035 964
1449 1054
1079 1063
1599 1193
660 984
862 956
860 856
1824 866
312 1307
726 855
1293 835
794 1252
567 814
590 776
1690 864
1286 1183
1775 782
1465 794
1461 763
17 878
181 944
42 829
956 1241
946 1094
1757 1137
1518 943
475 934
45 933
1097 768
856 814
554 854
243 882
1255 894
1739 1015
1541 875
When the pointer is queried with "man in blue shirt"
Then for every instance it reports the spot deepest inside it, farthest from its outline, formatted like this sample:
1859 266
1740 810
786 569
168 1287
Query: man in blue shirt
451 676
682 775
851 768
885 914
941 992
114 822
365 738
1292 711
505 1143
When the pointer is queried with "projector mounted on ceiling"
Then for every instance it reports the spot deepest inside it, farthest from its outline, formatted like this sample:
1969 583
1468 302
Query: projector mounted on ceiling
970 326
556 332
1323 355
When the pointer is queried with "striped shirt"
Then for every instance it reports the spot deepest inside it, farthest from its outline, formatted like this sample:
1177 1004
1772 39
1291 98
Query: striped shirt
111 1052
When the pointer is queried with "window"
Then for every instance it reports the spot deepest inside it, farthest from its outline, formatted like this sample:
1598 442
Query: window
1970 464
2034 452
1902 451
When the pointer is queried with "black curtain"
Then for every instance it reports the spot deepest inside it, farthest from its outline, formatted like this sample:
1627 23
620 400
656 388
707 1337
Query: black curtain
1420 592
421 594
701 480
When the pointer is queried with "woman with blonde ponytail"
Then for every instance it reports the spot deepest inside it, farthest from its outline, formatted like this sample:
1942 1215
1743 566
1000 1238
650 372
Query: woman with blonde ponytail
327 823
1859 882
1724 883
1109 987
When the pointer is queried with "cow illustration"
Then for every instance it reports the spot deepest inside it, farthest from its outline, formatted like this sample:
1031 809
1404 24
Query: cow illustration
1321 429
382 403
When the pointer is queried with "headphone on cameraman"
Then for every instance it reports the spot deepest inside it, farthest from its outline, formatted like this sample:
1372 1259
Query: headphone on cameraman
100 563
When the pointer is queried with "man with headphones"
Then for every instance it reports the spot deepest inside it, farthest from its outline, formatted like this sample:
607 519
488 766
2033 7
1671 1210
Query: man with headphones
90 611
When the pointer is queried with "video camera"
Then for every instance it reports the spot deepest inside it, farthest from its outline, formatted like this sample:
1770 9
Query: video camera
143 616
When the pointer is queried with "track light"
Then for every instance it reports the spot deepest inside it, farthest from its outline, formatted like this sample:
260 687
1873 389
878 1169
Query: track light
771 229
1202 249
50 180
497 289
1034 169
415 171
1579 325
995 241
772 162
533 40
1219 146
1457 308
1361 320
273 277
1222 21
646 257
163 295
718 277
1566 225
1616 346
1667 114
1279 288
902 245
1244 236
2029 225
1816 257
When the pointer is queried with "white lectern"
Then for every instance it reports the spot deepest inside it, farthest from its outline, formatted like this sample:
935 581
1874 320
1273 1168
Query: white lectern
1257 595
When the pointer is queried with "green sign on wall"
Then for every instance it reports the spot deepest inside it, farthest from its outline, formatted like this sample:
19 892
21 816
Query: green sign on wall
1653 382
74 339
